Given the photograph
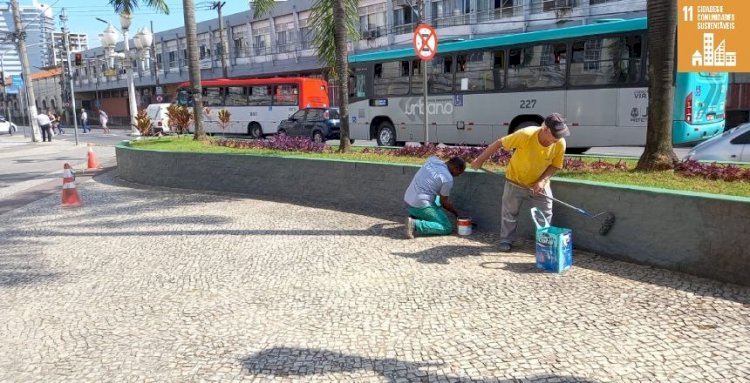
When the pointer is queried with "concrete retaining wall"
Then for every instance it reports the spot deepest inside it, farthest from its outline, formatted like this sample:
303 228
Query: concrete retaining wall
689 232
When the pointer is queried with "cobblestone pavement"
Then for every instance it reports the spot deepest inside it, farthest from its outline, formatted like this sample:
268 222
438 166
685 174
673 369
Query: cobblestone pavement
163 285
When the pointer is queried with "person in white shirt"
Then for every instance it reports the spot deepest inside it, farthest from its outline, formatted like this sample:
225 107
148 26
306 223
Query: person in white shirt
46 125
85 121
433 179
103 118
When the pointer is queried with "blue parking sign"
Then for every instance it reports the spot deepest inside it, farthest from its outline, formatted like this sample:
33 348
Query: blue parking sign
458 100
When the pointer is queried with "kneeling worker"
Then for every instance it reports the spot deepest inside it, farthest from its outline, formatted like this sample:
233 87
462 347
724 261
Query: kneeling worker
434 178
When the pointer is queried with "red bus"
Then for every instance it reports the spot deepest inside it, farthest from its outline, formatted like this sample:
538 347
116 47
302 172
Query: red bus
257 106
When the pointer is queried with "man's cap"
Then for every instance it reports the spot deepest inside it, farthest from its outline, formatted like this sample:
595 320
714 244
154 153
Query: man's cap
556 124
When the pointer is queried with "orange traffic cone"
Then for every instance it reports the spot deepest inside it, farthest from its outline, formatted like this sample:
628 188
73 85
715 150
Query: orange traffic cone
69 193
92 160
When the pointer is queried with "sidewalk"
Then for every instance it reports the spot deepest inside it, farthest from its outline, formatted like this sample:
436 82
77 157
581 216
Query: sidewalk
146 284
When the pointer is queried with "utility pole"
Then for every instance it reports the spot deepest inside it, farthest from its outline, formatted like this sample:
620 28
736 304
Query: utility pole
20 38
66 49
152 48
217 5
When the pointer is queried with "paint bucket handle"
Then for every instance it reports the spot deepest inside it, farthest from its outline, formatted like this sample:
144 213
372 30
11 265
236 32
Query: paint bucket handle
540 220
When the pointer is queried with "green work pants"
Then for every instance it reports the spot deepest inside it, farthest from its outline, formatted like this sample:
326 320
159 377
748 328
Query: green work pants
431 220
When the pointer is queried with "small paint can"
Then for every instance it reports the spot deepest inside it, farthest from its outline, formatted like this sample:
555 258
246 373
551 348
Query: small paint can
464 225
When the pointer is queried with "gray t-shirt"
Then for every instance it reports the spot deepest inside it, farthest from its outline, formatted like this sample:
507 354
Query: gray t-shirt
432 179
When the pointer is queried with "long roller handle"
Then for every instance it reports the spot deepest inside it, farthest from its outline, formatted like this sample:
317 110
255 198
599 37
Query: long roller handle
584 212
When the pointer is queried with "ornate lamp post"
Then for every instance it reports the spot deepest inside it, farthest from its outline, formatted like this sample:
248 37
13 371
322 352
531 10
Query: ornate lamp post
109 39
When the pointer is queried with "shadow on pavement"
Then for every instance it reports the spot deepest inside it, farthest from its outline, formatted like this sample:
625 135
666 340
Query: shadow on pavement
300 362
19 267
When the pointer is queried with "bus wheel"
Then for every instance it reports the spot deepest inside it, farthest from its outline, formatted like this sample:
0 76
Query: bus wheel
525 124
255 130
386 134
318 137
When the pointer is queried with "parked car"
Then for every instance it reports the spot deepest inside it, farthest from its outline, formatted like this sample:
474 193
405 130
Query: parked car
320 124
159 118
732 145
7 126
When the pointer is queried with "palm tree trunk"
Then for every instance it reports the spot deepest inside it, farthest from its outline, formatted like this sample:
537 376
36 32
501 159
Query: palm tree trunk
194 68
342 70
662 26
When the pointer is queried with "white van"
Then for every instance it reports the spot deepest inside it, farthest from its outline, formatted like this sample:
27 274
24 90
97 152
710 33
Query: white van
159 118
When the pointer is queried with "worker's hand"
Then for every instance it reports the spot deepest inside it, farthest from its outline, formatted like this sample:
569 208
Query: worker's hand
538 188
476 164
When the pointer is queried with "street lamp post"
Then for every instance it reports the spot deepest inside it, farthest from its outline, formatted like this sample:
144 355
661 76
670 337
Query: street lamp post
108 40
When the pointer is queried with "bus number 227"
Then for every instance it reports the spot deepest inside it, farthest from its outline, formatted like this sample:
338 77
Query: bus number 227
528 104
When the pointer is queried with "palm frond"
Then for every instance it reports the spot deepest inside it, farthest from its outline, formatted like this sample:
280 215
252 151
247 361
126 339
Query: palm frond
262 7
324 29
128 6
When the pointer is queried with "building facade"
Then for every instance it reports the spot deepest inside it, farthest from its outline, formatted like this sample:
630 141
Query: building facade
78 42
38 23
281 42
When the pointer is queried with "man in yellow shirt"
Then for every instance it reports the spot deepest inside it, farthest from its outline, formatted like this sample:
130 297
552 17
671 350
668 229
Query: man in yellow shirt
538 154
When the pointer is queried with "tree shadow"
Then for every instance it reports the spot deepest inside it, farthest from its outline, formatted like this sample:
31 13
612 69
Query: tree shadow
301 362
20 267
443 254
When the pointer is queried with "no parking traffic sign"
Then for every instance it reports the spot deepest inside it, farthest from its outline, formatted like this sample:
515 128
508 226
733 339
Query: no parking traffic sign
159 98
425 41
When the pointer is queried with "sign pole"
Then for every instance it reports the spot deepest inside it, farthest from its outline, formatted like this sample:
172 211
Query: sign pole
426 114
425 46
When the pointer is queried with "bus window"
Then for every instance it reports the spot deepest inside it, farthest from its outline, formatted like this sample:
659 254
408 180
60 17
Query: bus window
417 79
236 96
285 94
440 73
390 79
184 98
605 61
357 85
260 95
539 66
474 72
213 96
498 69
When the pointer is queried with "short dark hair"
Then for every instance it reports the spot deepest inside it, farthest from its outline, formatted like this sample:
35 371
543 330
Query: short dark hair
457 162
556 124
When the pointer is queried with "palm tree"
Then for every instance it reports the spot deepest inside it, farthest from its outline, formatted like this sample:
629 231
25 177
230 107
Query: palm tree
662 26
128 6
191 35
335 23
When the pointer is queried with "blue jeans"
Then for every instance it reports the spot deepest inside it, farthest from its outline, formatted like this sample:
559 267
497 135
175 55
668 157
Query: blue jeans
85 126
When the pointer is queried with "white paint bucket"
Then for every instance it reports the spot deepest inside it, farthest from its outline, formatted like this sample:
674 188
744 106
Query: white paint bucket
464 225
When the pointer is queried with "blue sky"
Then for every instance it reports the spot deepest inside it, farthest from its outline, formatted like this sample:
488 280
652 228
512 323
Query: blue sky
82 15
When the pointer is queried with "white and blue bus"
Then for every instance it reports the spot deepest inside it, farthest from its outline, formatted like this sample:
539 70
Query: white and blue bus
482 89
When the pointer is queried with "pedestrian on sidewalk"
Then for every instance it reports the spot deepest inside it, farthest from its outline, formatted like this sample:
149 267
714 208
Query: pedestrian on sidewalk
538 152
433 179
59 120
103 119
46 125
85 121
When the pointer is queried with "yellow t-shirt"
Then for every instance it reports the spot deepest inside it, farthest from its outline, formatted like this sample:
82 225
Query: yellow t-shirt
531 159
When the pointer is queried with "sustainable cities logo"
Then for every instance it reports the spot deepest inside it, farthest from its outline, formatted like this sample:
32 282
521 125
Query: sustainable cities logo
709 35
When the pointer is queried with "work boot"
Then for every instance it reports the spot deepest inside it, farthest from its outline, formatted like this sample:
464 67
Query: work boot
505 247
409 227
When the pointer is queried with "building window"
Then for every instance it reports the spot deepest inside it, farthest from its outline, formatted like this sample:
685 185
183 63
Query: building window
372 20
